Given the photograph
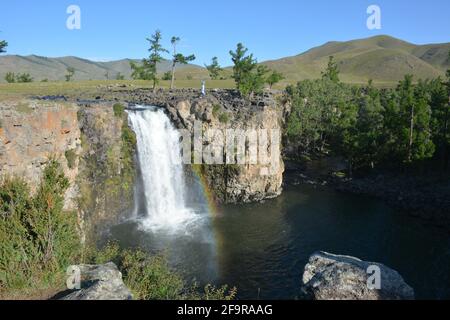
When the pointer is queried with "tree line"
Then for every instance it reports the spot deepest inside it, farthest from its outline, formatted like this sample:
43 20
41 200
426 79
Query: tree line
249 76
368 126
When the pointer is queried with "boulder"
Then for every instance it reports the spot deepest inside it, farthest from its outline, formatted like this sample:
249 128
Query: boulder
334 277
100 282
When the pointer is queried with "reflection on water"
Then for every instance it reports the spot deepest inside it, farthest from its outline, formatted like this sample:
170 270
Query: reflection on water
263 248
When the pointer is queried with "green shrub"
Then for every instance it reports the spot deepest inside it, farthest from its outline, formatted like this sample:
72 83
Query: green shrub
167 76
216 110
71 158
151 278
24 78
224 118
10 77
38 240
118 110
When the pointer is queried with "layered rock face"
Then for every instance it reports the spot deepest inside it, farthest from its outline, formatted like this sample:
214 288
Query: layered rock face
99 282
88 143
221 110
333 277
33 132
223 118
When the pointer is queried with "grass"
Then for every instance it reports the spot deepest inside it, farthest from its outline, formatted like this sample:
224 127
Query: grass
56 88
149 277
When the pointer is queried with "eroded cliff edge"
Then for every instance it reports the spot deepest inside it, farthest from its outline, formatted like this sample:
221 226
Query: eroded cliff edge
96 147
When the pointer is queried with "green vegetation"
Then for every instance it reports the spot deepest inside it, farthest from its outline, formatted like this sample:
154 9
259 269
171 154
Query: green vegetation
369 126
274 78
381 58
250 77
38 240
71 158
19 78
332 71
120 76
147 70
216 110
214 68
128 148
3 45
10 77
224 118
70 73
178 58
151 278
119 110
167 76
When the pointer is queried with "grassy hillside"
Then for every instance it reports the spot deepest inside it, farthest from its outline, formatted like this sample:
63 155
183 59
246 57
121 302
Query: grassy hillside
383 59
54 69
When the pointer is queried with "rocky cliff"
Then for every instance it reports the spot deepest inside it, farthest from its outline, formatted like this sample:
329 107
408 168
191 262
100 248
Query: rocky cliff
219 112
88 141
96 147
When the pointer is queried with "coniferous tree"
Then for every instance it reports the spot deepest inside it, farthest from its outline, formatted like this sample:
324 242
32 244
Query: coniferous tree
178 58
332 71
214 68
3 45
70 73
274 78
243 64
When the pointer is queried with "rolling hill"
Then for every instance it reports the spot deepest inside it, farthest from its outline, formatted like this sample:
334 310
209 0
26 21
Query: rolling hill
55 68
382 58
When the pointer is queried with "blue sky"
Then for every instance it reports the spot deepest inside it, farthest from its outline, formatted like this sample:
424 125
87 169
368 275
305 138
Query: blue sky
270 29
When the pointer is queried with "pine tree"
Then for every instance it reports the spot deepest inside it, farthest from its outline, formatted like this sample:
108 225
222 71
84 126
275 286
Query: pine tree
149 65
70 74
3 45
178 58
332 71
243 64
274 78
214 68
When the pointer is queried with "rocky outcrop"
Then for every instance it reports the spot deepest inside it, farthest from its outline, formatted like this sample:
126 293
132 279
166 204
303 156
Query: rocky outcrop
99 282
87 140
31 133
333 277
221 112
107 167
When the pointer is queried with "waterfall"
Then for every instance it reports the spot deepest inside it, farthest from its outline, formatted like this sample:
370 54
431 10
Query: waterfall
161 168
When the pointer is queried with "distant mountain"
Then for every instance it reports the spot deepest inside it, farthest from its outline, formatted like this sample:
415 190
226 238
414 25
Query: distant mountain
55 68
382 58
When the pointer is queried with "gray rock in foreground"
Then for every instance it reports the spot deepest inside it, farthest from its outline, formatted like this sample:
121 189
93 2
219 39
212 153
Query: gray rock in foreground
334 277
100 282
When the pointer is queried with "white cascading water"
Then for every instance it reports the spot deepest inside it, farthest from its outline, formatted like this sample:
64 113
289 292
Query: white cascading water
158 144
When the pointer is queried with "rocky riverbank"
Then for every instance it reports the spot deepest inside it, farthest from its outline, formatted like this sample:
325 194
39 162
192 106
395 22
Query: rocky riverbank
424 196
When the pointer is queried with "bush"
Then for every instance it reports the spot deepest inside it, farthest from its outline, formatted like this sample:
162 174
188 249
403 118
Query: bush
71 158
24 78
118 110
224 118
38 240
10 77
167 76
216 110
150 277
